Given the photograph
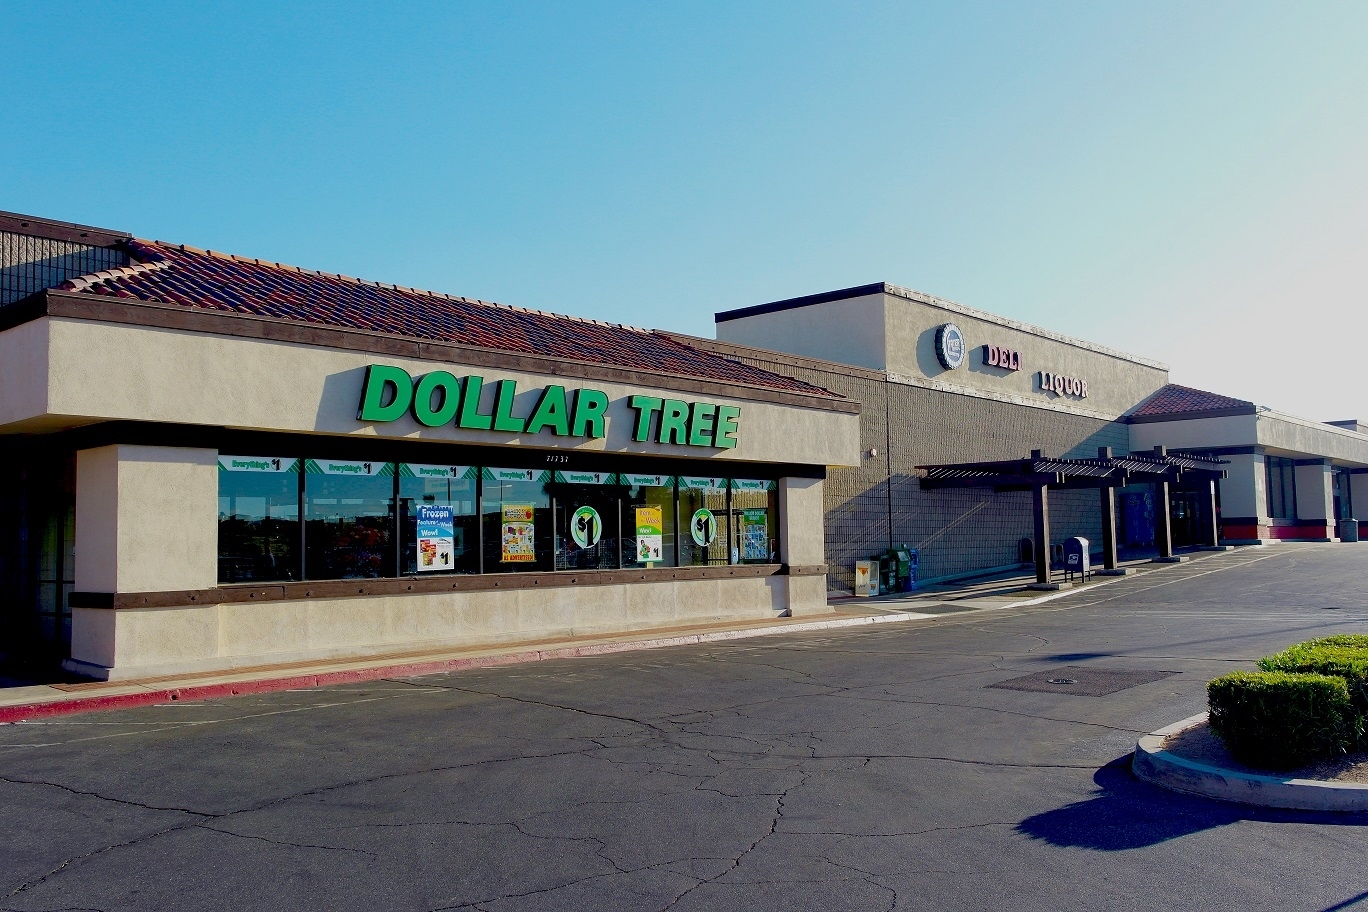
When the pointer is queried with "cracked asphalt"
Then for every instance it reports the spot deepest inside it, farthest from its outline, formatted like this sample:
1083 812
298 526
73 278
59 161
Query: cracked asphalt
864 769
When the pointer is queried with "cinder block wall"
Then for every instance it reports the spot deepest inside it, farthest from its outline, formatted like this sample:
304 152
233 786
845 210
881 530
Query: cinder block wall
957 530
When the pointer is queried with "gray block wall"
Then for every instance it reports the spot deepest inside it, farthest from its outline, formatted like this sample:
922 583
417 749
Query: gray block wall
956 530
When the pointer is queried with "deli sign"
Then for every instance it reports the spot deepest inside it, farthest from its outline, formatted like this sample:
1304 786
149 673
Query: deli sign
1005 358
440 399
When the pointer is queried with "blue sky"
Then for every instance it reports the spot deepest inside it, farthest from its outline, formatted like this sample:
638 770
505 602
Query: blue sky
1181 180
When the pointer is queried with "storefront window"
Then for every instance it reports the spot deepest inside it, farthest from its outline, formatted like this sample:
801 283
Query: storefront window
258 519
1344 501
1136 503
437 519
516 513
587 531
703 527
1282 487
349 532
754 518
648 520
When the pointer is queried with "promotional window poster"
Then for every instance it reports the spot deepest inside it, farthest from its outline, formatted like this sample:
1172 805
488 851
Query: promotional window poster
650 534
436 538
755 535
518 534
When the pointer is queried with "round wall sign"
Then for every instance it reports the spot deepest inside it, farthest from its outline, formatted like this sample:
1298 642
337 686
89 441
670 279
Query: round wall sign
950 347
703 528
586 526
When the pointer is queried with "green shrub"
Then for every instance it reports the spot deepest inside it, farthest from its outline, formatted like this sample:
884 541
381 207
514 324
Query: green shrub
1351 640
1279 720
1327 658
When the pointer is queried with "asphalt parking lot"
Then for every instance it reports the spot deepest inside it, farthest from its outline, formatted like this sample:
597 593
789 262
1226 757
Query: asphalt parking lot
876 768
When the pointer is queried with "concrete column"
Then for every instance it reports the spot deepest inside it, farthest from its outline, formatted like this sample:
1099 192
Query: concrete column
1108 504
1244 497
1109 528
802 544
1040 501
146 519
1163 524
1213 536
1315 498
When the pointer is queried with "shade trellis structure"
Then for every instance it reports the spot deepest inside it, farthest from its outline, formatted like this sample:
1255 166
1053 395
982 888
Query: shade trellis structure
1038 474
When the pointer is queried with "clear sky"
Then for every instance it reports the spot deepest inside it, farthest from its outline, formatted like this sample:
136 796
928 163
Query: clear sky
1185 181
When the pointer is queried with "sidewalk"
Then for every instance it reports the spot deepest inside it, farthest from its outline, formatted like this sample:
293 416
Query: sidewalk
993 592
1004 589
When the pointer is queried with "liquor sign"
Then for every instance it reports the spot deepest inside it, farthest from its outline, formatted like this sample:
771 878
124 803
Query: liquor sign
1061 385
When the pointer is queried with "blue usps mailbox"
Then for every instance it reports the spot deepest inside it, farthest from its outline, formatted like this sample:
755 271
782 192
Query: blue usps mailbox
1076 557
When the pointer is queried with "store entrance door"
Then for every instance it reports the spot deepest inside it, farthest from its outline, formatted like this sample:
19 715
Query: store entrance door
1184 513
37 532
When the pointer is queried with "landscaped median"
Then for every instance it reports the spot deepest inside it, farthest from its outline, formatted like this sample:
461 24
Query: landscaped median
1293 734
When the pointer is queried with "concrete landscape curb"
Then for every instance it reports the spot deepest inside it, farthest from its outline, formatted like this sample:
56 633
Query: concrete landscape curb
132 694
1159 767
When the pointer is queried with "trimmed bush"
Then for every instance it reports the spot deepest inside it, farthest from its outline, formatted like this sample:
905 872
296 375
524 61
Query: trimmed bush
1279 720
1327 658
1350 640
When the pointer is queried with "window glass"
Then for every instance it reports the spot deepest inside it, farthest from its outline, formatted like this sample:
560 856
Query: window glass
1282 493
587 532
258 507
648 520
516 513
755 521
703 526
1344 502
1136 505
349 530
438 519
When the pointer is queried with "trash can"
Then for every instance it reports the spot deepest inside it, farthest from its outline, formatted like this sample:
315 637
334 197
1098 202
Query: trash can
1348 530
1077 559
866 578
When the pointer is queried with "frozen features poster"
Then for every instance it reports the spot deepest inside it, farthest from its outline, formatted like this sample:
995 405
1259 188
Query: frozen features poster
436 538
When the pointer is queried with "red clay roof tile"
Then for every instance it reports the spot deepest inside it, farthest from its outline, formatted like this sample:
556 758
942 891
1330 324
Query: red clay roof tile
1180 400
177 274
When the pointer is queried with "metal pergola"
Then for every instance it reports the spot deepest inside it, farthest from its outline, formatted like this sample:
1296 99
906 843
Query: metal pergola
1038 474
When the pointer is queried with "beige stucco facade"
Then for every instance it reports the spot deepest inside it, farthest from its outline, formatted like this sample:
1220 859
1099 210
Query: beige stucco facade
146 516
101 372
895 331
1247 442
135 643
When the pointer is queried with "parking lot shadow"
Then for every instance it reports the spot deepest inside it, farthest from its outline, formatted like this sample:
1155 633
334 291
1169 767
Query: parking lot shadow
1130 814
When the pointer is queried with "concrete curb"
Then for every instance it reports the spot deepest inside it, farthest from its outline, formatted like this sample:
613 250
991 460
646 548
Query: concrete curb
132 694
1159 767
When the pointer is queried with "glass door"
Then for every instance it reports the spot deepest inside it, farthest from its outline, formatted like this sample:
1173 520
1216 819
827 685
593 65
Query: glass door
1183 512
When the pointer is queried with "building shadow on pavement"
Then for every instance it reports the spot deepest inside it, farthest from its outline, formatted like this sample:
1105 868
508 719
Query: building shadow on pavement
1130 814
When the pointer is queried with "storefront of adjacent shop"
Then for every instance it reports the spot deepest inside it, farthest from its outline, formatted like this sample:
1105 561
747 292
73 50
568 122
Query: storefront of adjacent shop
948 388
224 488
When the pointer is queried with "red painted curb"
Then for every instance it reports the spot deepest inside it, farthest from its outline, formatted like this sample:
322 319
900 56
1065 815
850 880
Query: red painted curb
189 693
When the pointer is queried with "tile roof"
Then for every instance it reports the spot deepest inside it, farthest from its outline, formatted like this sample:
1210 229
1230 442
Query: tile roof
1182 400
175 274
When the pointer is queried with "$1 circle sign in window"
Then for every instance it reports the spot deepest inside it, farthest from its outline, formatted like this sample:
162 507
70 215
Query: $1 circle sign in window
703 527
586 526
